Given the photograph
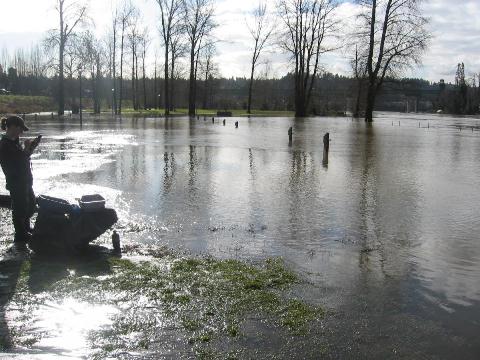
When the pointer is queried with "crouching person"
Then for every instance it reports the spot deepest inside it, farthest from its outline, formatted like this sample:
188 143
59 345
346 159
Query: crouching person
15 163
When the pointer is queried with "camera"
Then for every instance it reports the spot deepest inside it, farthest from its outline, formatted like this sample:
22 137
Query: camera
36 141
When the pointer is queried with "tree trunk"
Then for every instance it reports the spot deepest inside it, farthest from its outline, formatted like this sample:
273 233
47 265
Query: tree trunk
166 91
61 82
250 87
137 101
172 84
371 94
144 84
94 89
356 111
120 95
97 86
300 110
114 65
191 92
80 101
155 87
133 77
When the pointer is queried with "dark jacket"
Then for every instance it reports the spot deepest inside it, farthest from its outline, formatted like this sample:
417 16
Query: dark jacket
15 164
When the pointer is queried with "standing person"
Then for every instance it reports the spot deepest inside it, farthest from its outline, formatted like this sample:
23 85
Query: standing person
15 162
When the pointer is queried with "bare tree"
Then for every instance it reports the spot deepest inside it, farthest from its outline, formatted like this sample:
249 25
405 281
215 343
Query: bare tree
395 35
113 51
91 54
178 49
359 74
307 25
144 43
155 92
125 17
70 13
261 30
199 24
170 11
209 69
134 42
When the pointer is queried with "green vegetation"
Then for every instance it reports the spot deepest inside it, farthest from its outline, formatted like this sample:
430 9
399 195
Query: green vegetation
207 300
18 104
208 112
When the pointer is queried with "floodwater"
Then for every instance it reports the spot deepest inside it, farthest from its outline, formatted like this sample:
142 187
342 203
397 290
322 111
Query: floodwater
386 233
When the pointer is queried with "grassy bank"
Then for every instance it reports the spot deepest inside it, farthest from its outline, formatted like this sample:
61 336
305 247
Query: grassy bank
203 304
18 104
209 112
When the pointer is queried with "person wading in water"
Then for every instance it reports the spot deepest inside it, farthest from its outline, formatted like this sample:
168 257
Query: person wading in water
15 162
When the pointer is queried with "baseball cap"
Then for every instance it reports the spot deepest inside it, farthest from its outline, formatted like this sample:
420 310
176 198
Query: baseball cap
16 121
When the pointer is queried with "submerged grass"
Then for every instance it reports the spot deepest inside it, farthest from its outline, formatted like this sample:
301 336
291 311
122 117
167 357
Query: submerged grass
205 298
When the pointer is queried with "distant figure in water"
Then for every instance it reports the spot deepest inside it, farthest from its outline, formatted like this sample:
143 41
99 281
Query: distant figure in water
15 163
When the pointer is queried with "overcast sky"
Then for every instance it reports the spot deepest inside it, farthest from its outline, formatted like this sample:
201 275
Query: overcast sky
455 25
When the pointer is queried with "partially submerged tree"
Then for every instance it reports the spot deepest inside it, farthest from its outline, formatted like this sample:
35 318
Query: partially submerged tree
198 25
127 12
144 43
308 23
93 56
112 44
359 74
395 34
261 30
178 49
70 15
170 17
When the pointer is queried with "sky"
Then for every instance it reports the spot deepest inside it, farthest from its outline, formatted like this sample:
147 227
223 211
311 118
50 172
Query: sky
455 26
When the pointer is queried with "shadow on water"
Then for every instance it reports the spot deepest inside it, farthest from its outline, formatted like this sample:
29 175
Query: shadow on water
46 270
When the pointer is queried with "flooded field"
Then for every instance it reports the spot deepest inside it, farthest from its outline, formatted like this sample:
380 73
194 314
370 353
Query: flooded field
384 236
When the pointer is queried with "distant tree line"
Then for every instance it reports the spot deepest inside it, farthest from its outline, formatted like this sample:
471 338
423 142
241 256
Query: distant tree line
113 71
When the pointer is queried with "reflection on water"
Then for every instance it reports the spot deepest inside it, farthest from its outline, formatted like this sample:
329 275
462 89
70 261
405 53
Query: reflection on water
391 222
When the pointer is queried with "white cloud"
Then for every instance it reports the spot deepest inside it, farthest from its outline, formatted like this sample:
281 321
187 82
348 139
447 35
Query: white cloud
456 28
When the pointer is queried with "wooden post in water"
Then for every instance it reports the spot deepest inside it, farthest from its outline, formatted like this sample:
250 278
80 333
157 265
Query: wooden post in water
223 122
290 135
116 242
236 124
326 148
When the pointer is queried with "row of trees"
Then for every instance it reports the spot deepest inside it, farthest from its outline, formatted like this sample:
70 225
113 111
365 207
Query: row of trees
391 35
331 94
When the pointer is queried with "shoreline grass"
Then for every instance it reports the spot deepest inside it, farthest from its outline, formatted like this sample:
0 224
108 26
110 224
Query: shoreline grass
205 299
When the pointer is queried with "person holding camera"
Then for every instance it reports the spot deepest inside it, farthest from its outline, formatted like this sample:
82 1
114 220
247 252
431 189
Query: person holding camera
15 163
